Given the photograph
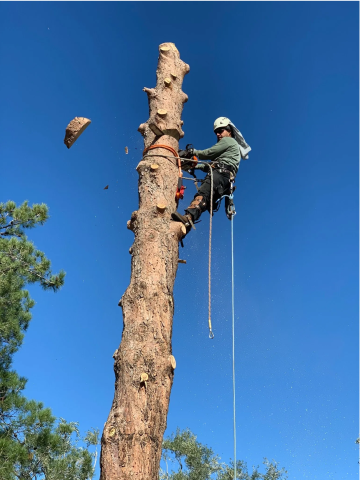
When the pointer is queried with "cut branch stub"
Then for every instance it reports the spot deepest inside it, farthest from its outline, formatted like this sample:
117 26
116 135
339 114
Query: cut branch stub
144 377
161 207
164 49
172 362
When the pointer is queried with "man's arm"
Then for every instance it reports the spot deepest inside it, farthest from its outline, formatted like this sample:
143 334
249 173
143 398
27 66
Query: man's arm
213 152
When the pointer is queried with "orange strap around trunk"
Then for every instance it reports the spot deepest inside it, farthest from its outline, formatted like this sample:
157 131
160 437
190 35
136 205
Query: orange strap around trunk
173 151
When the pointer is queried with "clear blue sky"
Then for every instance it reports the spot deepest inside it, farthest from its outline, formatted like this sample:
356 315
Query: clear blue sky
286 73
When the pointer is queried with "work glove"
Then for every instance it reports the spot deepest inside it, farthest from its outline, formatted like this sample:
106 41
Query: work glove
205 167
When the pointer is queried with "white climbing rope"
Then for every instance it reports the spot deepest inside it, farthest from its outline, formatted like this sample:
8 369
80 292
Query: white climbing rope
211 335
233 336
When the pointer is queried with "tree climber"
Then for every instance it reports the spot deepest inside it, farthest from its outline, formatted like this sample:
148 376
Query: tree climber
225 158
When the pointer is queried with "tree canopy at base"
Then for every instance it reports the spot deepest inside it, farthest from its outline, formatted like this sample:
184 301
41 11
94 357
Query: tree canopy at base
33 443
198 462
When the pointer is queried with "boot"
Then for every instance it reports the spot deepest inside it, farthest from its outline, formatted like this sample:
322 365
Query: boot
196 207
192 213
186 219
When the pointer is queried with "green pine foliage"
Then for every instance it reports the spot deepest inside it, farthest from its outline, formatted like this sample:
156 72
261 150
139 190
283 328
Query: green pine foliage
198 462
34 445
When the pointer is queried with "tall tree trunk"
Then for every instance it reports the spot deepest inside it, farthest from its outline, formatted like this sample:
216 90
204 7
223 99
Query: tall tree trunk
144 367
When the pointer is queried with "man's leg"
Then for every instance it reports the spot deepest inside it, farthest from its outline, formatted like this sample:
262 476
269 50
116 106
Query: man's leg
196 207
203 198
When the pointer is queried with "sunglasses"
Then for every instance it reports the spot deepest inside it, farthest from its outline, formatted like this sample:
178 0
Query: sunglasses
220 130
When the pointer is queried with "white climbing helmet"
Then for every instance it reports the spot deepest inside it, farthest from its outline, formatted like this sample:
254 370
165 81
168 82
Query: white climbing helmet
236 134
221 122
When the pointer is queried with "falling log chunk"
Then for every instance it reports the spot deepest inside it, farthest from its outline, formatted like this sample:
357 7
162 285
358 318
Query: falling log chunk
162 112
75 128
181 261
161 207
154 167
172 362
167 82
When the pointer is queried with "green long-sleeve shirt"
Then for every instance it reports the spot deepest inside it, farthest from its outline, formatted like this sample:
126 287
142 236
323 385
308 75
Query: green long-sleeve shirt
226 151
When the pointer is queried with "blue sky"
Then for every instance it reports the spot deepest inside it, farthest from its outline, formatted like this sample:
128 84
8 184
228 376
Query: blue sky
286 73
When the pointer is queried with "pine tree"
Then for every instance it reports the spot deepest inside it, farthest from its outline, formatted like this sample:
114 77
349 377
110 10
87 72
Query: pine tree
144 364
33 443
198 462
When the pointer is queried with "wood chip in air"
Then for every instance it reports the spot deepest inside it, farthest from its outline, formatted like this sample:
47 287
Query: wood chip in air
126 150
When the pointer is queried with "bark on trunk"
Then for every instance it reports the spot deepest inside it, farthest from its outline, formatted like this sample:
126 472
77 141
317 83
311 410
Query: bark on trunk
144 366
